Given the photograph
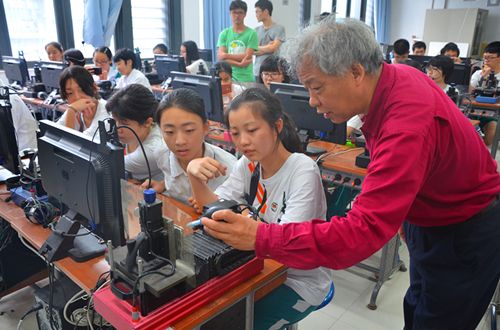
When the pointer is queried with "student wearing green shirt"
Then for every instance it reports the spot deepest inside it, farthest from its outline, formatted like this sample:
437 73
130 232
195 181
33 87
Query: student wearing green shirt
238 43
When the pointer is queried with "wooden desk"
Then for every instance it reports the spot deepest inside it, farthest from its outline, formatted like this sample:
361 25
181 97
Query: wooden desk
344 161
86 274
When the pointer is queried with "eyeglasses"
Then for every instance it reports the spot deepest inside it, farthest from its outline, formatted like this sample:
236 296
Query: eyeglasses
489 57
432 68
272 75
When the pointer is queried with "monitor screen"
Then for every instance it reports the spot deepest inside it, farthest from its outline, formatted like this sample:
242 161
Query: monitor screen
295 102
16 70
51 71
165 64
460 74
422 59
8 143
209 88
85 176
205 54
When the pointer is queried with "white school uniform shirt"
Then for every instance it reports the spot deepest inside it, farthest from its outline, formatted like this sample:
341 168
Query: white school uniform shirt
194 68
476 76
135 163
134 77
25 124
294 194
356 123
176 180
100 114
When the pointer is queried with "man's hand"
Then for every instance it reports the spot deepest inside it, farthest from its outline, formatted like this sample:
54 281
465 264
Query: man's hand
236 230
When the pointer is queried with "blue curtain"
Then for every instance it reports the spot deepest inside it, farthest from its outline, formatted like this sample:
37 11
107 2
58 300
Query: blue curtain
215 19
99 21
382 9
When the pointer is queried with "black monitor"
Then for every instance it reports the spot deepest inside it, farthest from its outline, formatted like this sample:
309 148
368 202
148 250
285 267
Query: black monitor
205 54
16 70
295 102
165 64
460 75
85 176
208 87
422 59
51 71
8 143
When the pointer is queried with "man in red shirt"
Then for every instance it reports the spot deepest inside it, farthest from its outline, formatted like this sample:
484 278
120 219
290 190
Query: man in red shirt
428 167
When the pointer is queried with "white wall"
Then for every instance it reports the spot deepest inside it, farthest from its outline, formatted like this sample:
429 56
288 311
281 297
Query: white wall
408 17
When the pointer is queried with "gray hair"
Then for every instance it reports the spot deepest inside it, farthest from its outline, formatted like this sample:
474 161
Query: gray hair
334 47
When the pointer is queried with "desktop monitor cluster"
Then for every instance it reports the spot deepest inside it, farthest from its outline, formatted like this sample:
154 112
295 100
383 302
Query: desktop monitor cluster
461 72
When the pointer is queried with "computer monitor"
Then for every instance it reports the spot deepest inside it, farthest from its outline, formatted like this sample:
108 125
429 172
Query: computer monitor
85 176
208 87
295 102
205 54
165 64
422 59
51 71
8 143
16 70
460 74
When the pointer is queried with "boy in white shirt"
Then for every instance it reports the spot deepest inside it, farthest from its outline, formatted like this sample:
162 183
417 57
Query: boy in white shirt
125 62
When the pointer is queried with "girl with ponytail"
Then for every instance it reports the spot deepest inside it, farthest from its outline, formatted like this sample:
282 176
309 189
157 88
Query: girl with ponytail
289 189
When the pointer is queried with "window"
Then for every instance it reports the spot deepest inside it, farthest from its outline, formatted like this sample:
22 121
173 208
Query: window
149 24
77 15
32 25
341 9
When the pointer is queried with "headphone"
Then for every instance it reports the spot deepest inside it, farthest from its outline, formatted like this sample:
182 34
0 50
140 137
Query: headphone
38 212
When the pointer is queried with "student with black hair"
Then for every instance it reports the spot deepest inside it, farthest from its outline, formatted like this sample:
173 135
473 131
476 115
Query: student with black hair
440 69
55 51
491 64
271 35
74 57
103 58
194 64
160 49
126 63
134 106
183 122
85 109
273 69
419 48
289 183
401 51
451 50
229 88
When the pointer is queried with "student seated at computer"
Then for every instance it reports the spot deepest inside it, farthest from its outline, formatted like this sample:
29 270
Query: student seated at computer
273 69
74 57
194 64
491 63
25 124
134 106
440 69
451 50
55 51
183 122
401 51
289 190
419 48
103 58
160 49
85 109
126 62
225 72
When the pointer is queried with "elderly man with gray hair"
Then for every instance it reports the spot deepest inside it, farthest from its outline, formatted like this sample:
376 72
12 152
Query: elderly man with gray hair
429 172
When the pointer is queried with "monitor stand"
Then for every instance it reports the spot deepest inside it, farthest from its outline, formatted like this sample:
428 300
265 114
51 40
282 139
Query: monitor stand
63 241
304 137
53 97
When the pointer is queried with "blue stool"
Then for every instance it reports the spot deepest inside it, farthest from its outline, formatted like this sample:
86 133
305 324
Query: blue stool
325 302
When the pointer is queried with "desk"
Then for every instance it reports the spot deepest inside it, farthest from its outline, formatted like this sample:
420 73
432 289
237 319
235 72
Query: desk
86 274
478 110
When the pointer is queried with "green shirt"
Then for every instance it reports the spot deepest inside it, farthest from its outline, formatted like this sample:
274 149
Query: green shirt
237 43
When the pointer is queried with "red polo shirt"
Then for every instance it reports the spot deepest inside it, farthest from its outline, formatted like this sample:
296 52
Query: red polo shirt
428 165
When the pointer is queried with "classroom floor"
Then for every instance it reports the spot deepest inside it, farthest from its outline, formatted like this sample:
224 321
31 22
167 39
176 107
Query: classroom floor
347 311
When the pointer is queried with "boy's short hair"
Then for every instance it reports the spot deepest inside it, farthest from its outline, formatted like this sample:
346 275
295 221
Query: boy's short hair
265 4
238 4
401 47
493 48
443 63
451 46
419 44
125 54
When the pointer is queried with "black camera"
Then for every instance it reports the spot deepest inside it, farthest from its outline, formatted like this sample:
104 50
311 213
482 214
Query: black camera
95 70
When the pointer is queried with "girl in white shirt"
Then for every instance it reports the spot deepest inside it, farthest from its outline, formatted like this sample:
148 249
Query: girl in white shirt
134 107
194 64
183 122
289 189
125 62
85 109
103 58
440 69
